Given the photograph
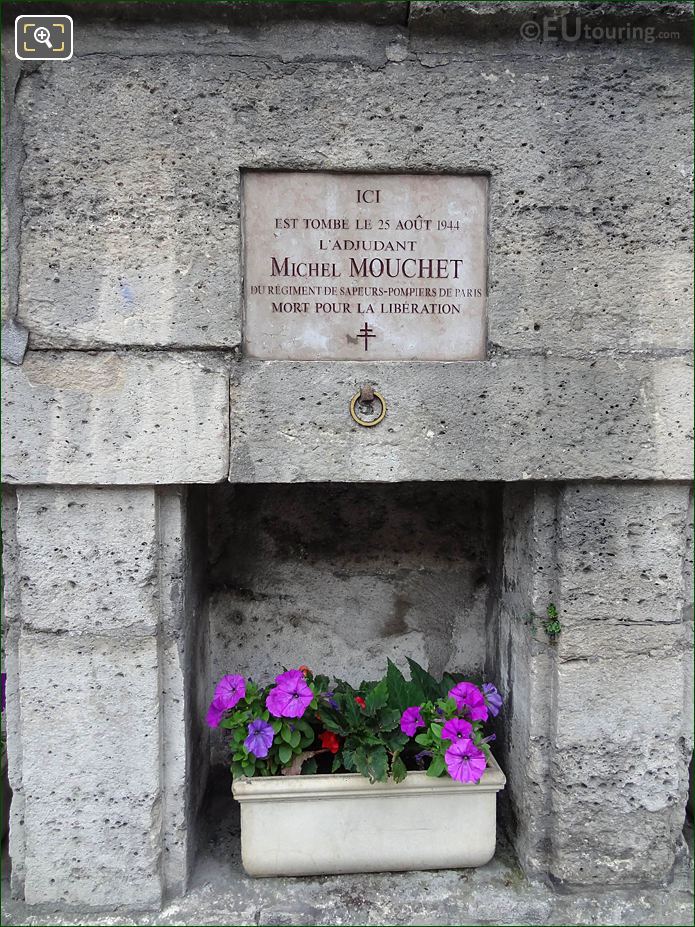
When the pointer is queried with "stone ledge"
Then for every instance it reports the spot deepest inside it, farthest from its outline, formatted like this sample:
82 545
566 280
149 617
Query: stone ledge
235 12
479 19
90 418
529 418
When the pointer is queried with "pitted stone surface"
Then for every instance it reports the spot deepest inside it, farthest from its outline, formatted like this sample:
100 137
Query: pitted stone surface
115 418
76 577
597 783
15 338
589 223
509 14
507 419
105 632
622 568
86 834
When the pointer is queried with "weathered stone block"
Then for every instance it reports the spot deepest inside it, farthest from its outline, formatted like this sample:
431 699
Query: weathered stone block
616 701
88 561
622 554
115 418
506 419
90 776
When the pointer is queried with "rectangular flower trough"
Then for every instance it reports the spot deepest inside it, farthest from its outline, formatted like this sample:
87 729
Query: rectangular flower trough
324 824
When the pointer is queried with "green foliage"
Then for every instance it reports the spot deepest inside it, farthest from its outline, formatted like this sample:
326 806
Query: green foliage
551 624
365 720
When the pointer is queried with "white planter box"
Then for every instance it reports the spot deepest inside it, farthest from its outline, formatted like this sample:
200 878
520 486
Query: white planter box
314 825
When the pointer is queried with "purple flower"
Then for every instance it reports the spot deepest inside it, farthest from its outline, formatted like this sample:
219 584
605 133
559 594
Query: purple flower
230 690
215 712
465 761
260 738
291 697
493 699
456 729
411 720
328 695
470 700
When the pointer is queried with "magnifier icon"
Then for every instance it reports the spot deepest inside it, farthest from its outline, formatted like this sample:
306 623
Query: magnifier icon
43 35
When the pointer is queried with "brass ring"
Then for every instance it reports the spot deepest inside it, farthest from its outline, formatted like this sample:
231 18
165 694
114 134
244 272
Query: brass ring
380 416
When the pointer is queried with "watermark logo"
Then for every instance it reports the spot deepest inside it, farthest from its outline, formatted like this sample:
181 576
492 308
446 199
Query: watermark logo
43 38
573 29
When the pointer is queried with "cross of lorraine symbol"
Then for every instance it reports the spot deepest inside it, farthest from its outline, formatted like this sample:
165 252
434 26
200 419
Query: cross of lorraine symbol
366 333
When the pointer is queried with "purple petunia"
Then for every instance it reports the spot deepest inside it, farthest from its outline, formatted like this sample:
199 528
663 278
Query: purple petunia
231 689
215 712
456 729
470 700
465 761
260 738
291 697
411 720
493 699
228 691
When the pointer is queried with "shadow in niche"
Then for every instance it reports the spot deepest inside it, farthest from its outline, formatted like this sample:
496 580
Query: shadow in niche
341 576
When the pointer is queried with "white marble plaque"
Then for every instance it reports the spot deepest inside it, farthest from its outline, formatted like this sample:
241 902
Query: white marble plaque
364 266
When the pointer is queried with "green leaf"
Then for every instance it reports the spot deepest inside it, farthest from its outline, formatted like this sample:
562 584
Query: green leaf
377 697
398 770
436 767
395 741
423 739
389 718
429 685
360 761
337 763
295 739
309 767
249 769
332 721
304 727
377 764
286 733
285 754
398 688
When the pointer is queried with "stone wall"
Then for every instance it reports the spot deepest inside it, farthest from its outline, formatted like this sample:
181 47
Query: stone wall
130 237
598 735
121 232
105 640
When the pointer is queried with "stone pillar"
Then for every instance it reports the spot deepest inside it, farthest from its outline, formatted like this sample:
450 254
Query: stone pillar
600 721
101 605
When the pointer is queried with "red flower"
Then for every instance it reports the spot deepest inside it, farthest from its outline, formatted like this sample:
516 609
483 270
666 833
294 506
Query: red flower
304 670
361 702
329 741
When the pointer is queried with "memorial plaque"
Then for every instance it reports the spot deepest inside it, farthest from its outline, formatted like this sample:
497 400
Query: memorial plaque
364 266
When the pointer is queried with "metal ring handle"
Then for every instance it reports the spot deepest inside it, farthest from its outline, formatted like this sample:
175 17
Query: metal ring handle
360 421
